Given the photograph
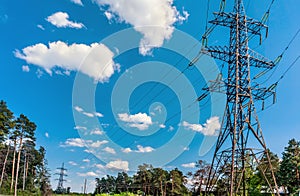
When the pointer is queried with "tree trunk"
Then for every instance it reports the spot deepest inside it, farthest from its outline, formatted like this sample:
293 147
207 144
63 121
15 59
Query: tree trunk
4 165
18 166
13 167
24 172
161 188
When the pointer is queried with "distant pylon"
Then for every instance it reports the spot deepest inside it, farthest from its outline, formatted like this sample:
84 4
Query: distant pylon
60 186
233 155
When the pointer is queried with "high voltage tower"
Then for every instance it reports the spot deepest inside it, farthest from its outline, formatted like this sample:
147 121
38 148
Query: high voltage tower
60 186
233 155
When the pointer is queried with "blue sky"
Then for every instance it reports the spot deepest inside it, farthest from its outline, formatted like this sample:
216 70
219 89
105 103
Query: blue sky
106 91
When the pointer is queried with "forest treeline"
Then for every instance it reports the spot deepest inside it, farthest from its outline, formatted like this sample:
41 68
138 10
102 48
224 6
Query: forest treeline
159 182
23 167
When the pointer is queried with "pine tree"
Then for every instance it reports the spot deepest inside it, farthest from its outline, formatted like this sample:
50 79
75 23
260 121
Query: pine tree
290 167
24 131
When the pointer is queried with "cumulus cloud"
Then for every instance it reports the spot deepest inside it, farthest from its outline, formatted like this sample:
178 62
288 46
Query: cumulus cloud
126 150
97 144
109 150
88 114
142 149
140 121
78 142
98 114
74 142
162 126
87 174
78 2
86 160
189 165
154 19
118 165
47 135
210 128
98 59
80 128
78 109
25 68
96 132
61 19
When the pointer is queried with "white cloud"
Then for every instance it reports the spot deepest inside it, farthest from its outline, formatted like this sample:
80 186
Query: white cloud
72 163
210 128
99 166
189 165
98 114
47 135
140 121
118 165
97 144
86 160
143 15
91 151
109 150
78 142
80 128
75 142
96 132
186 148
40 27
98 59
61 19
126 150
87 174
78 109
25 68
142 149
78 2
162 126
88 114
108 15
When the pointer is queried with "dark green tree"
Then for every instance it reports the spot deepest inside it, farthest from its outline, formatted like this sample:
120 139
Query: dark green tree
6 124
123 182
177 182
42 179
143 177
159 181
6 121
288 174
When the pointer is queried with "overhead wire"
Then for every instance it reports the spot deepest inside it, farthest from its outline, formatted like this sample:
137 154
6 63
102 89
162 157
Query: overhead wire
199 55
277 60
208 31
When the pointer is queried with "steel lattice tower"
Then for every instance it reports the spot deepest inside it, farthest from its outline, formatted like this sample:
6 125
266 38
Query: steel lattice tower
60 185
240 122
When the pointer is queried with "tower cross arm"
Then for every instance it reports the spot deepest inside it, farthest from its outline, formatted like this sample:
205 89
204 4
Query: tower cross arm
223 54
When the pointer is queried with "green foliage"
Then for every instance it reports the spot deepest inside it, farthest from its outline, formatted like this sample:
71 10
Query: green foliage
20 139
147 181
289 172
6 120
